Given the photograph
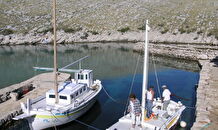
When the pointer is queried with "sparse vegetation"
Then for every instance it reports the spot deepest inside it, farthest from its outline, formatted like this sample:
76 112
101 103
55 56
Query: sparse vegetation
141 28
185 15
69 30
164 30
181 30
50 29
213 32
94 32
85 35
6 31
123 30
200 32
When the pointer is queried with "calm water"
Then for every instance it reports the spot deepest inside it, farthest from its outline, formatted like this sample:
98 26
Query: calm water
114 67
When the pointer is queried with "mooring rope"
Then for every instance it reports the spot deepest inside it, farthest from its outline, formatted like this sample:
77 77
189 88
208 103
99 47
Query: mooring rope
110 97
86 125
76 121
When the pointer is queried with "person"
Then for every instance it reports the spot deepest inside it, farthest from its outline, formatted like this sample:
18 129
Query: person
134 109
150 99
166 97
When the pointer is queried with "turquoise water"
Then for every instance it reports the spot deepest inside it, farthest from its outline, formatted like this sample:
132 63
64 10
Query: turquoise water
113 67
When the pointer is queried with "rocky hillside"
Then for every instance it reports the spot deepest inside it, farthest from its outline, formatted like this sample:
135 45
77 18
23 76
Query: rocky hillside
98 16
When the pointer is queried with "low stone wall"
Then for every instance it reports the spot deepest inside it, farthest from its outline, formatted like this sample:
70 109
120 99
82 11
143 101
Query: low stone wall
15 93
207 103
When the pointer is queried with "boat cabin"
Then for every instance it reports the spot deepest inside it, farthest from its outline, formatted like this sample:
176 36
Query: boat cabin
68 93
84 76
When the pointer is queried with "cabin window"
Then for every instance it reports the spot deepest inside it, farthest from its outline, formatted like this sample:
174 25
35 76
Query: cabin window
51 96
71 96
78 76
63 97
81 76
76 93
84 88
86 76
81 90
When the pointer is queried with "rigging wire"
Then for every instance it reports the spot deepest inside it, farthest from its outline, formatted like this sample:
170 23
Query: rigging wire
156 76
133 79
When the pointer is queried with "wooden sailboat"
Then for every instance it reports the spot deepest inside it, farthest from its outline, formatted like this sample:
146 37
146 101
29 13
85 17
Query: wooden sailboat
67 101
165 119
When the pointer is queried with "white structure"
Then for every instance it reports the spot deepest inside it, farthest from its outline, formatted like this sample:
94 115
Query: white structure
164 119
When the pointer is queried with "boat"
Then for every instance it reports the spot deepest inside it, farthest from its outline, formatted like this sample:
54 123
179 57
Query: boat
66 101
163 119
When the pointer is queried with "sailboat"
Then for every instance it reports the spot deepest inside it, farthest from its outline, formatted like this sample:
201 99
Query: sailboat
164 119
67 101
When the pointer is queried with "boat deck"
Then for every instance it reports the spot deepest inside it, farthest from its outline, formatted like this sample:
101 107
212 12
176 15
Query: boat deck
125 123
162 120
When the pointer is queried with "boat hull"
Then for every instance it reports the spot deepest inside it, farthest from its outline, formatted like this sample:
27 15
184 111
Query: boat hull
48 119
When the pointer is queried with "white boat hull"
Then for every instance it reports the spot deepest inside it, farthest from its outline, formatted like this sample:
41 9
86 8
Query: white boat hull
47 119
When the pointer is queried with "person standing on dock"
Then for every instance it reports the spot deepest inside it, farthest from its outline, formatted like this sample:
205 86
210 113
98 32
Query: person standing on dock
135 110
150 99
166 97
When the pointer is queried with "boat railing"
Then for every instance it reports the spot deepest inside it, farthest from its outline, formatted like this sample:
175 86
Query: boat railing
33 101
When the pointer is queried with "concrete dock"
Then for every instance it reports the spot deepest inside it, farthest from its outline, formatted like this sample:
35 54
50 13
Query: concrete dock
40 84
207 103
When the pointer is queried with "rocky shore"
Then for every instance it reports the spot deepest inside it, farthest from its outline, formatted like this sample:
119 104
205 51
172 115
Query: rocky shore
180 46
84 36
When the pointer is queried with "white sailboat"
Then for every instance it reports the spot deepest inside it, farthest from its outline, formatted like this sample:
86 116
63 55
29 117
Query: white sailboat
67 101
165 119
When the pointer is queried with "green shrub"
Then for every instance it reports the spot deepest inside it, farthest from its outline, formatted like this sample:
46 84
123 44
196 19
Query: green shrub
181 30
123 30
161 24
199 32
85 35
164 31
213 32
141 28
93 32
69 30
6 32
50 29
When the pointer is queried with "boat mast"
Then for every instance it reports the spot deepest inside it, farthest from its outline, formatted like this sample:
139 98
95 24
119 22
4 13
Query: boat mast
55 52
145 71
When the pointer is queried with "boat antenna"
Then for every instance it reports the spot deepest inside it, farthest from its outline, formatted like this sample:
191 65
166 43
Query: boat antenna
145 71
55 52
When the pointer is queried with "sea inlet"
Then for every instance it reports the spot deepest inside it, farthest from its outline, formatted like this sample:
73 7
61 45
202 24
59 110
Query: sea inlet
115 67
